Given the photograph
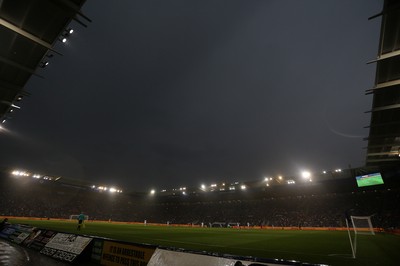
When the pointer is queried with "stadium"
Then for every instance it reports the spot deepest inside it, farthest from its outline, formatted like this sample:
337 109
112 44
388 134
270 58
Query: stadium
335 217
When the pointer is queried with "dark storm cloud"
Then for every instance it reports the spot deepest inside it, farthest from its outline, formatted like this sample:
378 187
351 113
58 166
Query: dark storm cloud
170 93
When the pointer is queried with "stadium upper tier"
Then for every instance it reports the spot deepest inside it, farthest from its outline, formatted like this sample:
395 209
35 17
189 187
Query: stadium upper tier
384 129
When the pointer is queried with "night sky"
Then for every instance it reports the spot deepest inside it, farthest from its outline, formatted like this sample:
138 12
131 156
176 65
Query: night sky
162 94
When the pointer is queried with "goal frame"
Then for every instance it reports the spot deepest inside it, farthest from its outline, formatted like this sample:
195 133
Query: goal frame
364 231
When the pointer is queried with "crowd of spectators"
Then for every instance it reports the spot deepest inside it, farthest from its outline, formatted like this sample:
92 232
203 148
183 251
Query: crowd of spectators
49 199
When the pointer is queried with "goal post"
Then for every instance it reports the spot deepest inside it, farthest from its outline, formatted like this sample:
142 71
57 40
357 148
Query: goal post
74 217
361 225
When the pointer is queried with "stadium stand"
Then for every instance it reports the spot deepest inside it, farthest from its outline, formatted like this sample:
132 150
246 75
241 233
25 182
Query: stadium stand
321 204
384 130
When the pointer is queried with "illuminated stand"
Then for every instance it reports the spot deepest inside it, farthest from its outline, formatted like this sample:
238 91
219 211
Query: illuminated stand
361 225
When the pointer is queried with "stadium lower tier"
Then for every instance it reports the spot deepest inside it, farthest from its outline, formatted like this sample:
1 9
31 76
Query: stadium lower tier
316 207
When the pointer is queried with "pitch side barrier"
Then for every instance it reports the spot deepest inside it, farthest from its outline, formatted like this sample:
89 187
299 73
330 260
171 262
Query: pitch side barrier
84 250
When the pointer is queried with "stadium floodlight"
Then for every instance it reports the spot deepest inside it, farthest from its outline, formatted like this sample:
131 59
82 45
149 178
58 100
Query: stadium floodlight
152 192
20 173
324 172
112 190
3 121
70 31
243 187
280 177
306 174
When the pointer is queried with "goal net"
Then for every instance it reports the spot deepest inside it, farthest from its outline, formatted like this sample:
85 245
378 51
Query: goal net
360 225
75 217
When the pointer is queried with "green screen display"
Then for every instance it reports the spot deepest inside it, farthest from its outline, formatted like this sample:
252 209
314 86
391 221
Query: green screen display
369 180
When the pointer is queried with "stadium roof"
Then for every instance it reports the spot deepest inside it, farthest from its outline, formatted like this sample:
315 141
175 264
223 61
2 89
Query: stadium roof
384 135
28 31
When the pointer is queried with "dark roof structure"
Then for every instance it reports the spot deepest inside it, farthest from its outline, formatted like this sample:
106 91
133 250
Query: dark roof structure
384 134
28 31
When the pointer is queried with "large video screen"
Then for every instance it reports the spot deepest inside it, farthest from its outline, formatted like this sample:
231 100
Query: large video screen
369 180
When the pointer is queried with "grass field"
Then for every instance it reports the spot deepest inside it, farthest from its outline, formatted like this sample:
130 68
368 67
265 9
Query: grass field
328 247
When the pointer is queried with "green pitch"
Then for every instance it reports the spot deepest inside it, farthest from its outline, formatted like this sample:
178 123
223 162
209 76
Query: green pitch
328 247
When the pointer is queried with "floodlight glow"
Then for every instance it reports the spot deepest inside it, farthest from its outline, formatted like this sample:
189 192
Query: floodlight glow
16 106
112 190
267 185
231 188
266 178
213 185
20 173
306 174
70 31
183 193
291 182
243 187
64 39
280 177
324 172
36 176
152 192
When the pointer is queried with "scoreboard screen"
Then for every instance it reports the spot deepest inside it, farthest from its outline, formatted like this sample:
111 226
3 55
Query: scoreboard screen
369 180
